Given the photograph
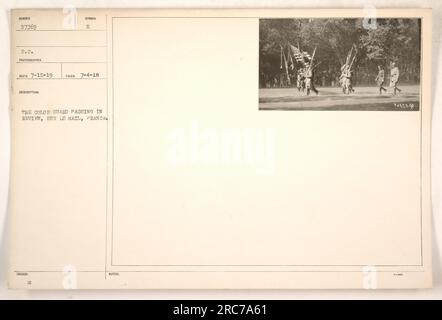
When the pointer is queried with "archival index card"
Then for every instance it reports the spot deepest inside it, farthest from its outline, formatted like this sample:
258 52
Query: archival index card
220 149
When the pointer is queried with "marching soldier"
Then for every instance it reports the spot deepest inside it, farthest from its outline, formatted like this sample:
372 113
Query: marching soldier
346 80
342 77
303 79
380 79
299 77
309 76
347 72
394 78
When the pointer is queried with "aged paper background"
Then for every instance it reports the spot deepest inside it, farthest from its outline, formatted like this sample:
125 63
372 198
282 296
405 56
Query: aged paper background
433 69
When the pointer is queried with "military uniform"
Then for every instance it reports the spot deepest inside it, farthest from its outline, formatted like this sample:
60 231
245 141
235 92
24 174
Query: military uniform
299 77
380 80
394 79
309 76
346 80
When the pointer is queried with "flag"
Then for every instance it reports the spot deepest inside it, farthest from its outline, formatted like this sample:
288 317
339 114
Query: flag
313 55
286 66
297 54
291 63
347 61
281 59
307 57
301 56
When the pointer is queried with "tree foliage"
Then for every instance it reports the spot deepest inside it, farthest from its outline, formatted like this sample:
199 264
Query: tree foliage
395 40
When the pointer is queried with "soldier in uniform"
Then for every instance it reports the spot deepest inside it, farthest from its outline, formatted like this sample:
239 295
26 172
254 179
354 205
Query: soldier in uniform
303 79
346 80
342 77
309 76
380 79
299 77
394 78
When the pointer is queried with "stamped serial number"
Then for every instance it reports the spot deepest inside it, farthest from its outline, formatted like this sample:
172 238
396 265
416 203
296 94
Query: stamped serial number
404 105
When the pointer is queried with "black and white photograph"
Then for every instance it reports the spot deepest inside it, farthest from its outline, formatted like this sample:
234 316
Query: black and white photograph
340 64
231 151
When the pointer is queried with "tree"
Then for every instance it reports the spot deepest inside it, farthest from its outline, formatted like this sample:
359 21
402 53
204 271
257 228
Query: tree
393 40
